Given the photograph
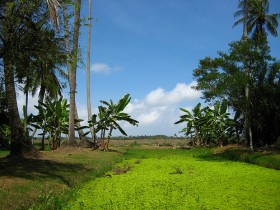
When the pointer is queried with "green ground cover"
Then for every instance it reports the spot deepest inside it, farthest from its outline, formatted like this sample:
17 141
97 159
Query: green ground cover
181 179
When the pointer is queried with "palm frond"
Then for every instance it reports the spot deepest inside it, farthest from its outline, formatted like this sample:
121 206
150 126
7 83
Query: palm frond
53 6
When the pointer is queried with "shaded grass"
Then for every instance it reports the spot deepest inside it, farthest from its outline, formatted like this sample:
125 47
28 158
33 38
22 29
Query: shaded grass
46 182
268 159
203 183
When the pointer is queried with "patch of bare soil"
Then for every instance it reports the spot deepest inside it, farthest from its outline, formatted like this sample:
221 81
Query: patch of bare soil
228 147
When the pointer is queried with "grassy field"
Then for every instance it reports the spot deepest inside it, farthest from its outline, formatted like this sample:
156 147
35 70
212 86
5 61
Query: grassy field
149 176
181 179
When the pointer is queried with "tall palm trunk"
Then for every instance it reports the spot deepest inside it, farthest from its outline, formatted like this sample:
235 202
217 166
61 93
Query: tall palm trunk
245 23
247 132
88 66
72 74
20 143
69 66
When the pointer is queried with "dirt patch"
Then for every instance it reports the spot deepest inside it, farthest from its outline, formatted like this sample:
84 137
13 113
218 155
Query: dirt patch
228 147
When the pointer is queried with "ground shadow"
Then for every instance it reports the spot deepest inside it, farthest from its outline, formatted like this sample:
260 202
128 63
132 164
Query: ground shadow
242 155
38 169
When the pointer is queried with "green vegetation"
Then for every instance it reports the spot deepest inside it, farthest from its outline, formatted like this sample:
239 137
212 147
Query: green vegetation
48 182
209 125
33 56
108 119
180 179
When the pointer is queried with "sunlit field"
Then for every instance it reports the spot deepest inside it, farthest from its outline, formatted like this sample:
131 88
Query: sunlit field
180 179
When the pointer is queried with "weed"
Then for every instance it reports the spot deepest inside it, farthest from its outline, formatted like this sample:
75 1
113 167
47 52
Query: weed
122 169
178 170
137 162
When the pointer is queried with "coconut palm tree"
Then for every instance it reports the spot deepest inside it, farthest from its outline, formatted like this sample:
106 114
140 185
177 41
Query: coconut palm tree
259 22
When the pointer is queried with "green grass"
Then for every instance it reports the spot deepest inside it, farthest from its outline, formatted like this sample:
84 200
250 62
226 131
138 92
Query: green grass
181 179
4 153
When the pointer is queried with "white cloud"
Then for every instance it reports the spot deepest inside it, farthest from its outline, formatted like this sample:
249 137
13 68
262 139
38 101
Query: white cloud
180 93
100 68
103 68
158 111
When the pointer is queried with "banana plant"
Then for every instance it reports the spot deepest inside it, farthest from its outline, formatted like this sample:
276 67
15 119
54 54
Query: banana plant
111 114
193 123
218 122
209 125
52 119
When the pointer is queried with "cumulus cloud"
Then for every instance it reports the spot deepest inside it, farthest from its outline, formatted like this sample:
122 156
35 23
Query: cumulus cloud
180 93
158 111
103 68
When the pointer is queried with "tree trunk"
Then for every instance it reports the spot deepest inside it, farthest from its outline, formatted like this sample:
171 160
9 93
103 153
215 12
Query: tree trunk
43 142
20 144
106 146
72 74
245 23
72 66
26 114
247 132
88 66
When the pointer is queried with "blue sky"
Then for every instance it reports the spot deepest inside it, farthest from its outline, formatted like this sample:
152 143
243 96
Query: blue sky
149 48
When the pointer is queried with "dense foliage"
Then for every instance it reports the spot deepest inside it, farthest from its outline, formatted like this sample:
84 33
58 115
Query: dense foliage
209 125
226 77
